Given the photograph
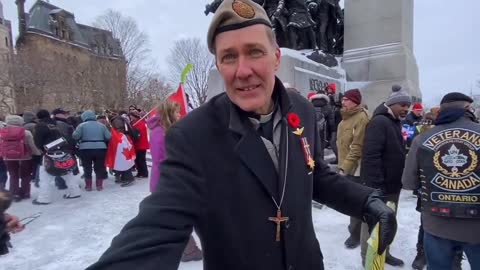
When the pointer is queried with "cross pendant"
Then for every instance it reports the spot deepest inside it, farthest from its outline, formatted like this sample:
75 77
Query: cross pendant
278 219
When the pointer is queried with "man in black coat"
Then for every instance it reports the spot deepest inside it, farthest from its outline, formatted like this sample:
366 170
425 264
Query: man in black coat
242 169
383 157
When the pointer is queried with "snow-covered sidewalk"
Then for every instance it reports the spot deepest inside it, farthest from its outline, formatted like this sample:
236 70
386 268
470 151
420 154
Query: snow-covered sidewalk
72 234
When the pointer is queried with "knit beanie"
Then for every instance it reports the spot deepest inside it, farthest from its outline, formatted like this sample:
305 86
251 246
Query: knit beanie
354 95
332 87
398 95
417 107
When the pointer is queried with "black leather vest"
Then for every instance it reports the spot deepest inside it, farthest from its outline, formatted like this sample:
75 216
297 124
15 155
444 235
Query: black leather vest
450 173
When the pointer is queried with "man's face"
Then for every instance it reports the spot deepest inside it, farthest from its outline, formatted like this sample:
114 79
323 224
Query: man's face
247 61
400 110
329 90
348 104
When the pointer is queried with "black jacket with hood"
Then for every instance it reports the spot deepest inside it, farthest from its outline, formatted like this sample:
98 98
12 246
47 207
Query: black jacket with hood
384 152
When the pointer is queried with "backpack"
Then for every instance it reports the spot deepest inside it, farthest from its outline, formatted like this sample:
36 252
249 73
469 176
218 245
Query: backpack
13 144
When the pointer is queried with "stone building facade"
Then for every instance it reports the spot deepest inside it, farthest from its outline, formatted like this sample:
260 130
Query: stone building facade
7 95
61 63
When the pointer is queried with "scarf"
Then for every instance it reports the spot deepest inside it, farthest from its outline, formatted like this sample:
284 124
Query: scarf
453 114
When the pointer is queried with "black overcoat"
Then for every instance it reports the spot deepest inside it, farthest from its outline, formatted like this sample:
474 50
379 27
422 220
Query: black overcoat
219 178
384 152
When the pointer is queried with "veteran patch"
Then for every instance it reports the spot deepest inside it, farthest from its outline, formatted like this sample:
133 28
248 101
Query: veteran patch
243 10
456 160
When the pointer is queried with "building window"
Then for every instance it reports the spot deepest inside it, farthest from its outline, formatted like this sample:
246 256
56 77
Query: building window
6 42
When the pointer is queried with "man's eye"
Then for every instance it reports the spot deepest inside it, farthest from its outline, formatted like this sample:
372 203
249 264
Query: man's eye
256 52
228 58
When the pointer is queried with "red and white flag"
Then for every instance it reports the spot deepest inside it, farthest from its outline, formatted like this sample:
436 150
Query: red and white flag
181 99
120 152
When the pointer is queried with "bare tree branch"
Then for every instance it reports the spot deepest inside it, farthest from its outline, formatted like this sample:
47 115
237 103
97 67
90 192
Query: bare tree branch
191 51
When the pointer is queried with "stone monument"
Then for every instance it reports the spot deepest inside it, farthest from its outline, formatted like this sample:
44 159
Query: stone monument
379 48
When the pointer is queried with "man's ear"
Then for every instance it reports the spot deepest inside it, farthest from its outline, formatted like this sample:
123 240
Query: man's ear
278 54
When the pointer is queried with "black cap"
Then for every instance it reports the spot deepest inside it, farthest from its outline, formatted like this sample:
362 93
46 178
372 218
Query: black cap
59 111
455 96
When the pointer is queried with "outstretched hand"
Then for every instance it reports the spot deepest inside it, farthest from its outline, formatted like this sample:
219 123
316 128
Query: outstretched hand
376 211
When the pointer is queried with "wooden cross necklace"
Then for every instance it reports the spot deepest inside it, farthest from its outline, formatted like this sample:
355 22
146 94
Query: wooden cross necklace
278 219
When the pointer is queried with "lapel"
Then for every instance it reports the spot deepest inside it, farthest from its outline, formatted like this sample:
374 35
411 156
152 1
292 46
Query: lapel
252 151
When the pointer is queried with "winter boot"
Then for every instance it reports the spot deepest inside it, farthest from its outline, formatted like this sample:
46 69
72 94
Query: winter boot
393 261
191 252
420 261
35 202
99 184
88 184
352 243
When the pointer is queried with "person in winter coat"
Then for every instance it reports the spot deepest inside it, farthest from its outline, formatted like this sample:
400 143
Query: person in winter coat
383 156
336 105
167 113
325 118
121 123
93 138
20 168
411 122
30 123
141 144
47 131
445 234
350 136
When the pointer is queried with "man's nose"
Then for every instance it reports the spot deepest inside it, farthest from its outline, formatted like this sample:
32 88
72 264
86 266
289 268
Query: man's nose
244 69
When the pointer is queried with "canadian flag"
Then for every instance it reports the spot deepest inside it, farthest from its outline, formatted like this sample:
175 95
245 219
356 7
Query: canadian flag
120 152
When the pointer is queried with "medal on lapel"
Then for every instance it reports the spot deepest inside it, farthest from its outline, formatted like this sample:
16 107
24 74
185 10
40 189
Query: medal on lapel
294 122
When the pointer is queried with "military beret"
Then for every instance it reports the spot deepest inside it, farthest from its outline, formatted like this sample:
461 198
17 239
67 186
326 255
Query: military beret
455 96
235 14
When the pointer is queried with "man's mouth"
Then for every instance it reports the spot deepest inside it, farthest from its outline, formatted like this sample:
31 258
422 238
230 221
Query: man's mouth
248 88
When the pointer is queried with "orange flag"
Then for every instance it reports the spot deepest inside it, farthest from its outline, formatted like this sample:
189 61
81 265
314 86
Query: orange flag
181 99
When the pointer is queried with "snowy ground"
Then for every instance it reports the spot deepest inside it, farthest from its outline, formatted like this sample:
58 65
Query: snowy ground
72 234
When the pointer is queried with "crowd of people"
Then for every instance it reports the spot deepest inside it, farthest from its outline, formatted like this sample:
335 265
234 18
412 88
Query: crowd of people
242 170
46 149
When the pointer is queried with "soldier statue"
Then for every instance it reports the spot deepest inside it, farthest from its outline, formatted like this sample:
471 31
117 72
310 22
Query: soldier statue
329 24
277 12
300 26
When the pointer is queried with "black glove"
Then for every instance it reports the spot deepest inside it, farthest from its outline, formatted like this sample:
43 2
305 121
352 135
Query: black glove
376 211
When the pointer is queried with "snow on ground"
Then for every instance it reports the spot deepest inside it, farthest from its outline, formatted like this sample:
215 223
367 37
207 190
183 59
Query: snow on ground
72 234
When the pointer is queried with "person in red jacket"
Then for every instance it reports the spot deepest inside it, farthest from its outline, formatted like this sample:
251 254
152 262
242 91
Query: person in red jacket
141 144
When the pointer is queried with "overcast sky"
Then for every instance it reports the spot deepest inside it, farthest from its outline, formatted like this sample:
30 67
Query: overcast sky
446 45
